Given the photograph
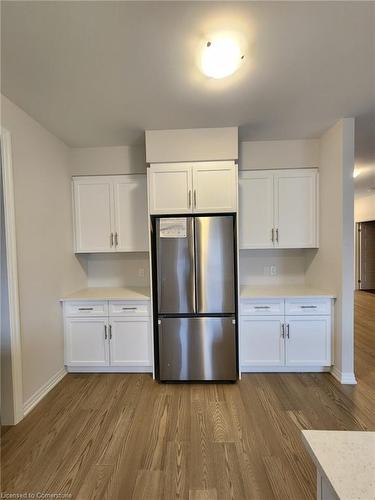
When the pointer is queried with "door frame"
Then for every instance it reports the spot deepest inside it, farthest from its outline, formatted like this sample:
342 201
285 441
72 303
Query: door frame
12 275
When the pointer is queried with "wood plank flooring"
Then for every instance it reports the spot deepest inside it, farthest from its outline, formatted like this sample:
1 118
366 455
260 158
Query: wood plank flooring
115 436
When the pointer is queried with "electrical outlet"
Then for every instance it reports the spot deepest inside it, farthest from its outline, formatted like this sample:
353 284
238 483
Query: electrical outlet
141 272
273 270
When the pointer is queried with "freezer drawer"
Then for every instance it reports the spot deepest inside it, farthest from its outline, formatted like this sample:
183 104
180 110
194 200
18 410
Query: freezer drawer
197 349
175 266
214 260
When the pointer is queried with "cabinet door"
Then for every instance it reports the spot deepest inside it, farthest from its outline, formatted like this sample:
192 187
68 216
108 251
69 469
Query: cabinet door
262 342
93 214
308 340
296 208
130 342
256 209
86 342
130 194
170 189
215 187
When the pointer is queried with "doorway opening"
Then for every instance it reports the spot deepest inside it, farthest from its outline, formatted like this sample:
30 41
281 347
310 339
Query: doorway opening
365 256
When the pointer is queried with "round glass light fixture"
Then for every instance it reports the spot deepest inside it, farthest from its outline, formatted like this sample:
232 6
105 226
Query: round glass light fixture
221 57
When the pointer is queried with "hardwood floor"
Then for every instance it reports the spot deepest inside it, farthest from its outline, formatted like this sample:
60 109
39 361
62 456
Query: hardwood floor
114 436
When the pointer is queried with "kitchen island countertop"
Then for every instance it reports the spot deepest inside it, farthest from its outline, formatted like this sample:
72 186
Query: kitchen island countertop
345 460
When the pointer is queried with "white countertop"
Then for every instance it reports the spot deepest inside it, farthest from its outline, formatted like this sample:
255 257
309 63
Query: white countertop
346 459
277 292
128 293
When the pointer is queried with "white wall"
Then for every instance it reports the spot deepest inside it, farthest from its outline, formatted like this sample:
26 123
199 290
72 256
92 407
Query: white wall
47 268
117 270
255 267
260 155
108 160
332 266
364 207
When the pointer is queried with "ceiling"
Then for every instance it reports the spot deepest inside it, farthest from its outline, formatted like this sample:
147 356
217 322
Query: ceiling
100 73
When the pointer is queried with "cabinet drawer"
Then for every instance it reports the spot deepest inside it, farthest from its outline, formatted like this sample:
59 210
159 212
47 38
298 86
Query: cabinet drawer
129 308
262 307
307 306
92 308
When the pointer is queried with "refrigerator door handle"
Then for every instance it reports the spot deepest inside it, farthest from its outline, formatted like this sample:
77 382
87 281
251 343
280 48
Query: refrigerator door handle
195 267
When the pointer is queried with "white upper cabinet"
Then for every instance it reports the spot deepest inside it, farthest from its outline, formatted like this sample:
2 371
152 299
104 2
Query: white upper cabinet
215 188
110 214
130 208
199 187
295 208
279 208
93 214
256 209
170 188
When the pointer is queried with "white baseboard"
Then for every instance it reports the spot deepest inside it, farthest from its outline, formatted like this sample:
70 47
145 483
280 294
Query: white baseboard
43 391
343 378
109 369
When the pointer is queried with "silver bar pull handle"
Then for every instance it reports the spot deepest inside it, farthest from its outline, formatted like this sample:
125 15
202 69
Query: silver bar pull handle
287 331
261 307
272 235
85 309
116 239
110 332
277 235
105 332
309 307
283 330
129 308
111 239
189 198
195 198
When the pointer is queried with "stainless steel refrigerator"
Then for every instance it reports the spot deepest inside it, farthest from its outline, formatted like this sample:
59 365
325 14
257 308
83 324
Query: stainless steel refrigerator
195 306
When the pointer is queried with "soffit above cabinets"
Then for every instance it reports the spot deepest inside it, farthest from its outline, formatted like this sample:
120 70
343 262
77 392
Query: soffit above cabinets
185 145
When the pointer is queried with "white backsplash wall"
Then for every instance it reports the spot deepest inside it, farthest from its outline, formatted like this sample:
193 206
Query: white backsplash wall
257 267
118 270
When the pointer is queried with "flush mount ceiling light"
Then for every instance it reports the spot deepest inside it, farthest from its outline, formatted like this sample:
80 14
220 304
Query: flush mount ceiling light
221 57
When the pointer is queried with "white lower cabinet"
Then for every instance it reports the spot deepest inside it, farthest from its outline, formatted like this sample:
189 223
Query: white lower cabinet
308 340
261 341
107 343
270 340
86 341
130 341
